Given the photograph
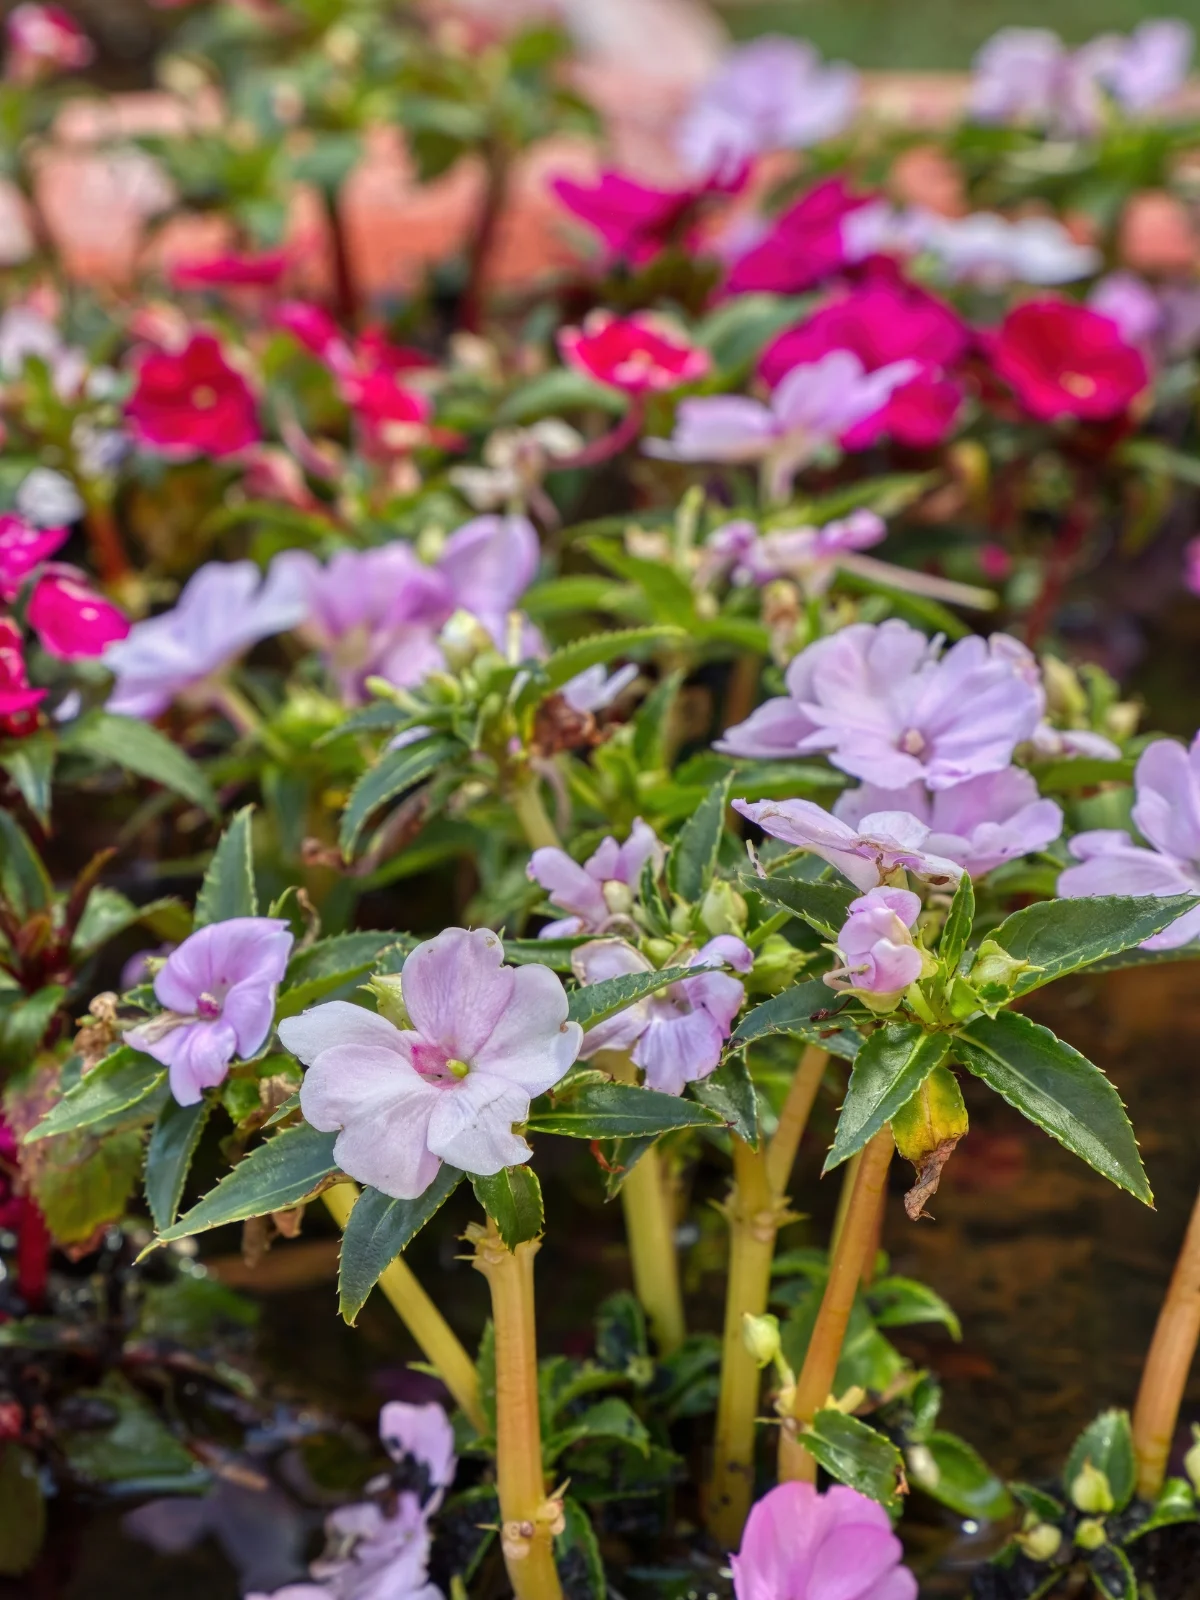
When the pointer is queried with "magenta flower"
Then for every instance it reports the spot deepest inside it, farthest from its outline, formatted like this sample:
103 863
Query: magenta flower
867 849
424 1434
878 956
1167 814
18 701
810 411
42 41
192 402
976 825
604 888
22 549
801 1545
485 1039
380 611
773 94
218 989
801 247
677 1035
222 610
635 354
889 707
72 621
633 220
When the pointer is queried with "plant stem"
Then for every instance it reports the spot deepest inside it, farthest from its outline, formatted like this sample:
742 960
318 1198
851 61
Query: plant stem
491 210
756 1209
345 291
845 1272
531 813
608 445
529 1519
437 1339
105 545
33 1256
1168 1363
741 692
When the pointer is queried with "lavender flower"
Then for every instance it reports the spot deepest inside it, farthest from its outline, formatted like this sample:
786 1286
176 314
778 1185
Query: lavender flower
602 889
878 955
1017 75
377 1552
218 988
424 1434
1131 303
810 410
484 1040
1166 813
595 689
677 1035
774 94
868 849
976 825
889 707
808 556
223 609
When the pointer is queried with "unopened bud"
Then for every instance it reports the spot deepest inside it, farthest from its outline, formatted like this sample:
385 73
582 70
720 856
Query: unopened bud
389 999
995 970
1121 720
1066 698
1041 1541
723 910
1091 1534
618 897
1091 1491
761 1337
463 639
776 963
659 951
342 45
935 1115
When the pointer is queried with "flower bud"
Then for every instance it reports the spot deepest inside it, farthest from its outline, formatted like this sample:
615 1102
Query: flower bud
659 951
723 910
389 999
1041 1541
618 897
1091 1491
994 972
1066 698
1091 1534
936 1115
463 639
761 1337
776 963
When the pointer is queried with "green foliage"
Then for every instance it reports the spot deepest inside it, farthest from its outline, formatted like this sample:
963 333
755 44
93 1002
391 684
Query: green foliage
122 1080
1061 936
140 748
693 858
947 1468
395 772
22 1510
85 1182
729 1091
888 1070
602 1110
228 889
801 1012
593 1002
169 1155
379 1229
282 1171
1106 1444
513 1200
134 1452
857 1455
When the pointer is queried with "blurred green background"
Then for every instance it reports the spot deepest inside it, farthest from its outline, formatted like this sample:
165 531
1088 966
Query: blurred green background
932 35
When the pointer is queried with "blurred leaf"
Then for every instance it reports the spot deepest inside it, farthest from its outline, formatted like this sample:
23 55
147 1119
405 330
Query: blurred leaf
140 748
392 774
22 1510
693 857
947 1468
901 1302
23 1025
86 1183
577 1554
228 888
23 875
136 1453
552 393
29 762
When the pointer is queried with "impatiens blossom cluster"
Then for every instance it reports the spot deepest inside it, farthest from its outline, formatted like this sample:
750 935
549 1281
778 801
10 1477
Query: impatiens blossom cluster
634 354
483 1040
600 891
1166 812
801 1545
218 989
192 401
676 1036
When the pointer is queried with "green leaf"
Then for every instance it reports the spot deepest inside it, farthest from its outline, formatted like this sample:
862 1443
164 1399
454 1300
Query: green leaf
1107 1443
888 1070
822 905
123 1079
593 1002
610 1418
330 965
1112 1574
802 1012
23 874
957 929
561 389
108 913
23 1510
947 1468
740 327
87 1184
29 762
729 1091
669 596
228 888
620 1110
392 774
140 748
857 1455
621 1332
1059 1090
1060 936
513 1200
598 650
169 1155
136 1453
277 1174
900 1302
553 953
1075 773
379 1230
577 1554
23 1025
693 857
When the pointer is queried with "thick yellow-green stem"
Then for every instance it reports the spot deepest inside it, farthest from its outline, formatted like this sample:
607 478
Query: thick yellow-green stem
845 1272
1168 1363
529 1520
531 813
437 1339
756 1210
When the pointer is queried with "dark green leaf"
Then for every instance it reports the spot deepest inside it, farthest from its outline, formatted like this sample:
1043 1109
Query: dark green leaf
887 1072
958 924
619 1110
803 1013
947 1468
1060 936
123 1079
857 1455
23 1025
729 1091
379 1230
669 596
279 1173
1112 1574
1107 1443
599 649
577 1554
553 953
693 857
513 1200
228 888
23 875
822 905
1058 1089
29 762
621 1332
392 774
610 1418
108 913
137 1453
900 1302
22 1510
169 1155
328 966
140 748
595 1001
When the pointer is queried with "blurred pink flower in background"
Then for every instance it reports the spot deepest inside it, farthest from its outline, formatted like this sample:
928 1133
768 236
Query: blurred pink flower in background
1062 359
634 354
43 41
192 401
800 247
71 620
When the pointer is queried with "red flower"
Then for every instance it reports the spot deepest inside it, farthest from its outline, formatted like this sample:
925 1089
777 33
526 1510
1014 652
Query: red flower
22 548
43 40
634 353
1065 360
312 327
192 402
234 270
71 620
634 220
885 320
394 419
802 246
18 702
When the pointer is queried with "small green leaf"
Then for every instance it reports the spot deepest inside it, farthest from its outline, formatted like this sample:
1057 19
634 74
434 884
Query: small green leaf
29 762
1059 1090
553 953
598 650
513 1200
887 1072
822 905
669 595
140 748
620 1110
900 1302
611 1418
958 924
136 1453
23 1025
108 913
1112 1574
621 1332
561 389
802 1012
23 874
228 888
169 1155
392 774
381 1228
22 1510
593 1002
1060 936
328 966
123 1079
277 1174
1107 1443
856 1455
577 1554
693 857
729 1091
947 1468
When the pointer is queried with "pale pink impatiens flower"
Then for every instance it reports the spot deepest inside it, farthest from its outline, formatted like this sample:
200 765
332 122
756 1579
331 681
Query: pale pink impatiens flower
801 1545
868 850
676 1036
218 989
485 1039
602 889
878 955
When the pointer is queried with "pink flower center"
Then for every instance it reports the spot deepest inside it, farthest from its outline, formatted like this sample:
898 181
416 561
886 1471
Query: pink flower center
208 1007
436 1067
204 398
1078 384
912 741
